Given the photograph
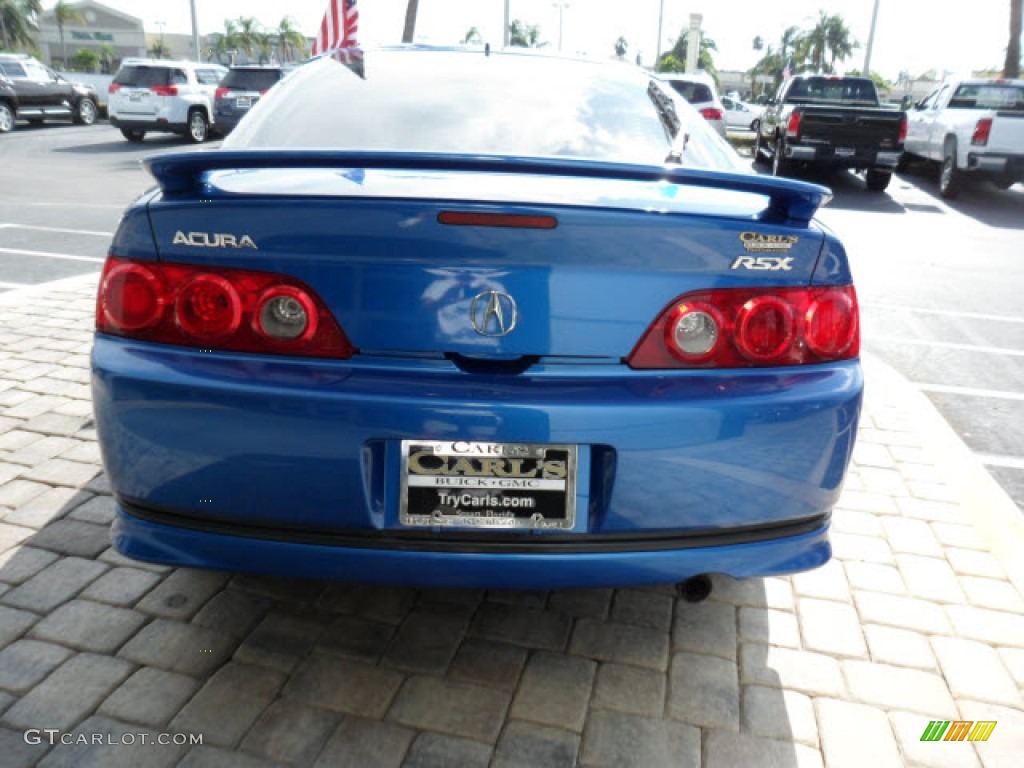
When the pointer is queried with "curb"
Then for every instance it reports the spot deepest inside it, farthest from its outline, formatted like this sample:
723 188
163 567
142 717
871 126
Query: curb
985 503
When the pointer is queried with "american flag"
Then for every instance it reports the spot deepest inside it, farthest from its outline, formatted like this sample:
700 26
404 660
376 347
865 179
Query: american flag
788 71
339 27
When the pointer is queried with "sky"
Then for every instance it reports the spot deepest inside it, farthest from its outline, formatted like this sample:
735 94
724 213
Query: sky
911 35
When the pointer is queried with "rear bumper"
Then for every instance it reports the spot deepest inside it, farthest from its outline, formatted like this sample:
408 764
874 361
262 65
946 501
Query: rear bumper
1009 165
225 445
467 563
858 157
155 124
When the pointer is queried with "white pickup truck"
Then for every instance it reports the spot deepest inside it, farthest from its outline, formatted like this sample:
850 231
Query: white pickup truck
973 128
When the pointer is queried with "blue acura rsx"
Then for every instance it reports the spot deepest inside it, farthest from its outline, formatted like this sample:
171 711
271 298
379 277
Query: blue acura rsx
475 318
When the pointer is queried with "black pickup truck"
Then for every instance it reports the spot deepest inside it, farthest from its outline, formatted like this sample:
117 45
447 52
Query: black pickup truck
831 121
33 92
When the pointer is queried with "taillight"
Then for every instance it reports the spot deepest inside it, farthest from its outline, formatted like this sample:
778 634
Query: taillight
220 93
113 88
216 308
981 132
793 127
263 92
903 131
711 113
752 327
164 90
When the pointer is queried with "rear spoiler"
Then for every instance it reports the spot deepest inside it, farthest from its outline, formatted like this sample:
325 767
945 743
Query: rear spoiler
790 201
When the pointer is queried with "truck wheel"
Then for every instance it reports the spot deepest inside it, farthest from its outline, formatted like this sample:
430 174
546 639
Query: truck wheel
134 135
85 112
903 164
6 117
877 180
950 177
1003 182
757 145
198 127
780 165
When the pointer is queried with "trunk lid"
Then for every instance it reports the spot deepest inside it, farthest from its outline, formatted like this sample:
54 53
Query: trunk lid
851 126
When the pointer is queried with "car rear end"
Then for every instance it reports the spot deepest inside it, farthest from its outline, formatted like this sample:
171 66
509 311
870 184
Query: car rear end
700 94
143 96
996 145
239 91
458 369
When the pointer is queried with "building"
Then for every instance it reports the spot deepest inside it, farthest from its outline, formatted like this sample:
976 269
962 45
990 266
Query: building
98 26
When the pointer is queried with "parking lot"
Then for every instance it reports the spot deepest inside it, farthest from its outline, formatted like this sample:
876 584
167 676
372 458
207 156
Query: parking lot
918 618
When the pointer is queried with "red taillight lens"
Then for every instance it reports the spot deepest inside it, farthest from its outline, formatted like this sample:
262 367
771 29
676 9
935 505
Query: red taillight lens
752 327
903 131
164 90
213 307
711 113
220 93
793 127
113 88
981 132
263 92
208 308
132 298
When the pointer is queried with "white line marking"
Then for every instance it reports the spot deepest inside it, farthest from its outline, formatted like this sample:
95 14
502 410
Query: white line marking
970 391
48 255
57 229
946 345
946 313
993 460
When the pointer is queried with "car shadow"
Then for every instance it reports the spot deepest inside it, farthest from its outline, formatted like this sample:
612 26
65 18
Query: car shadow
146 147
848 189
980 200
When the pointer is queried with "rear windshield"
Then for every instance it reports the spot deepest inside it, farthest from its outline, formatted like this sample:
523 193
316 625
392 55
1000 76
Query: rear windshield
695 93
251 79
988 96
143 77
11 69
836 90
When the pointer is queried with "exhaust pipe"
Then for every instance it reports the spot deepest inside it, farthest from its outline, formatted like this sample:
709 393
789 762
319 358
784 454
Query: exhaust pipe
695 589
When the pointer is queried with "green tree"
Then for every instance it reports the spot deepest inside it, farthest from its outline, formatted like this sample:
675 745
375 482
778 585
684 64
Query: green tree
675 59
884 86
65 14
828 40
1011 68
85 60
289 39
107 56
160 49
473 37
621 46
18 23
523 35
409 30
227 41
248 36
758 44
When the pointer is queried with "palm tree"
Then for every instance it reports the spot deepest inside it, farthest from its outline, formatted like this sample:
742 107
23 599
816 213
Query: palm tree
160 49
838 41
813 42
107 56
1012 66
248 35
227 41
621 46
409 30
65 14
18 22
472 37
289 38
675 59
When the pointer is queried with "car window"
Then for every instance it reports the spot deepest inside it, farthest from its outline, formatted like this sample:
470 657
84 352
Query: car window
11 69
178 77
36 72
208 76
695 93
143 76
411 101
251 79
988 96
838 90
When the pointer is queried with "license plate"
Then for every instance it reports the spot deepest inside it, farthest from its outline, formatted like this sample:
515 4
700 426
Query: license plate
245 103
845 152
488 485
134 97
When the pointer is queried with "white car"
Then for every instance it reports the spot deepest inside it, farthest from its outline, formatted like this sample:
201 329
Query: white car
699 90
974 128
739 115
166 96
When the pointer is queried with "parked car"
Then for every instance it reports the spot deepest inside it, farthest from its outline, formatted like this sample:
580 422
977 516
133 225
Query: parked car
699 90
739 115
832 122
164 96
35 92
240 89
484 319
974 129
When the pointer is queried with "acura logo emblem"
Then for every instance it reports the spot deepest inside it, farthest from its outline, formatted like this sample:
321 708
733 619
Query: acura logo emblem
493 313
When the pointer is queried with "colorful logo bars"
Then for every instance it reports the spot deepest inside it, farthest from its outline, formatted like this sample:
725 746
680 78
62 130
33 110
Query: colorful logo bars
958 730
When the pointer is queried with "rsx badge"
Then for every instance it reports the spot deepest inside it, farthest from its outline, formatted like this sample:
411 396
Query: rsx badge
213 240
755 241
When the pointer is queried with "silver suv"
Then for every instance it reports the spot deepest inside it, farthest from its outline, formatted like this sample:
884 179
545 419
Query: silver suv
167 96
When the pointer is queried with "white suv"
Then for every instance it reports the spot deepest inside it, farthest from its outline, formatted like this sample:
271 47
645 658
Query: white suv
167 96
699 89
